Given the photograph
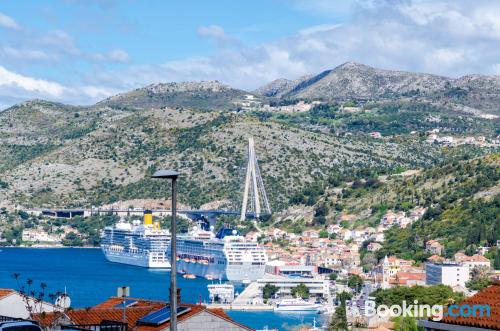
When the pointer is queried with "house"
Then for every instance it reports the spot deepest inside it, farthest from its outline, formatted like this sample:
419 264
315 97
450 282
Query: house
472 261
451 274
373 247
191 317
434 247
15 304
252 236
408 278
479 320
390 267
435 258
375 134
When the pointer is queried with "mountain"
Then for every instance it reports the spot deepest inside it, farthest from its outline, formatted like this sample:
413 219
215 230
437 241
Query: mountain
280 87
204 95
61 155
353 81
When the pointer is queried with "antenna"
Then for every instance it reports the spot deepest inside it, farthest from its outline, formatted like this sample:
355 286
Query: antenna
63 301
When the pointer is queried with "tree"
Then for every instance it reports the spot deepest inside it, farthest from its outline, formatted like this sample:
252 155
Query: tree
405 323
333 276
339 319
355 282
300 291
323 234
268 291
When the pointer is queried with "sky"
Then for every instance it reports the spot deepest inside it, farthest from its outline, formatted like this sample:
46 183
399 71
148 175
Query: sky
82 51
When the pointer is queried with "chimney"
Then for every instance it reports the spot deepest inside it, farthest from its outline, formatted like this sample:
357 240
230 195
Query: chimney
178 296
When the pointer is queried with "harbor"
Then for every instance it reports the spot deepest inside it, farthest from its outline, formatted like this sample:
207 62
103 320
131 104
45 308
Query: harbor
89 279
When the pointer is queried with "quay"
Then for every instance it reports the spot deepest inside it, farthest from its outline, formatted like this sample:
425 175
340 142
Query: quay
243 307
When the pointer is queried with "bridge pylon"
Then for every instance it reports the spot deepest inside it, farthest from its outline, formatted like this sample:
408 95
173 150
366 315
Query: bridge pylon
254 187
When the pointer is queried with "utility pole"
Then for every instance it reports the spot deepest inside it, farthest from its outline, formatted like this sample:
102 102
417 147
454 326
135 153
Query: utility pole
172 174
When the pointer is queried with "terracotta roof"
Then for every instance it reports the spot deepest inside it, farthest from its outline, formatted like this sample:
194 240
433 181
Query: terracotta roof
435 258
107 311
5 291
489 296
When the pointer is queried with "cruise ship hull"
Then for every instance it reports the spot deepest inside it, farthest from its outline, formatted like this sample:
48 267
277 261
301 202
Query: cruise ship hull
140 260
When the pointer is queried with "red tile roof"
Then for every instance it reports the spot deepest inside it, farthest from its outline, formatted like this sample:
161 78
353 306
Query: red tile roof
107 311
5 291
489 296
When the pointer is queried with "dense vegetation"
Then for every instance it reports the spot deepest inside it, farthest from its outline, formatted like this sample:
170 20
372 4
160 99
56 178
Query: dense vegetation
425 295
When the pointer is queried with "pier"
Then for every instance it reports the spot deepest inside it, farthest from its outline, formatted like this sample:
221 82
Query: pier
243 307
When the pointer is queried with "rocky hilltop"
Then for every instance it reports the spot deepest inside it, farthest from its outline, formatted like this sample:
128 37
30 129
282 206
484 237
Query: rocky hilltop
355 81
203 95
61 155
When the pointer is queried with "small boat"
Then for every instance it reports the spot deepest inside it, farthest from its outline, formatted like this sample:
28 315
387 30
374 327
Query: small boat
189 276
205 262
182 272
296 305
209 277
187 260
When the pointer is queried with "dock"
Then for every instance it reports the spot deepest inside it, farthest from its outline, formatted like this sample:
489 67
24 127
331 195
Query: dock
230 306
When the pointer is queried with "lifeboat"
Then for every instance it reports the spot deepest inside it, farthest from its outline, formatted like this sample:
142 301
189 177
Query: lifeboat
187 260
189 276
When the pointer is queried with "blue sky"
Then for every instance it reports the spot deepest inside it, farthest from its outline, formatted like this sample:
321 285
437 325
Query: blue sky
80 51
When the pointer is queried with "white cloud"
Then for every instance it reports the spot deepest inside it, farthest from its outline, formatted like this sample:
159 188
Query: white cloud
26 54
212 31
118 55
115 55
8 22
318 28
445 37
9 79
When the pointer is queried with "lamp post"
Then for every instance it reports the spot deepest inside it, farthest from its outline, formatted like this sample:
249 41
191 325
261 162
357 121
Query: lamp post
172 174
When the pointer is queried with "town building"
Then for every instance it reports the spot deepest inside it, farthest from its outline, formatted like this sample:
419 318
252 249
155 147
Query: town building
17 305
317 287
451 274
472 261
434 247
138 317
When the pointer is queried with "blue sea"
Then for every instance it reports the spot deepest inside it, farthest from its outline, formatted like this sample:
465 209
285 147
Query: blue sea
90 279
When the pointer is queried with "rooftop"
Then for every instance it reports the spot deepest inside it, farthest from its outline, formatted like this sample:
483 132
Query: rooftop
110 310
489 296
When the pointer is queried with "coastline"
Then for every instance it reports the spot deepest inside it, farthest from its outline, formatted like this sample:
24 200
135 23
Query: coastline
50 246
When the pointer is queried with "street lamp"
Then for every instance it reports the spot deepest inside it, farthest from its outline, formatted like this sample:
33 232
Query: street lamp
172 174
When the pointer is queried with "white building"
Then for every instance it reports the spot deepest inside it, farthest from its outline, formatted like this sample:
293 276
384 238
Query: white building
317 287
13 304
472 261
450 274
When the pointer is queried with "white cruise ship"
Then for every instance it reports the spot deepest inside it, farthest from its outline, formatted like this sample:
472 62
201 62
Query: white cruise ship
225 256
143 245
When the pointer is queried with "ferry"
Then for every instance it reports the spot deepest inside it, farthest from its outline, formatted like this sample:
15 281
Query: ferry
137 244
223 256
296 305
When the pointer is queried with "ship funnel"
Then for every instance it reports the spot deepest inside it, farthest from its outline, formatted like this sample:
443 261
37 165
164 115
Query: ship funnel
148 217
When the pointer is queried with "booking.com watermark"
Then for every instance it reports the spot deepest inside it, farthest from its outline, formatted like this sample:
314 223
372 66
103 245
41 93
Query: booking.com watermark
435 312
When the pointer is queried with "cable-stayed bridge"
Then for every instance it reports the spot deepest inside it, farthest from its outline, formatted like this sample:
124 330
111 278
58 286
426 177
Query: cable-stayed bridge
255 204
